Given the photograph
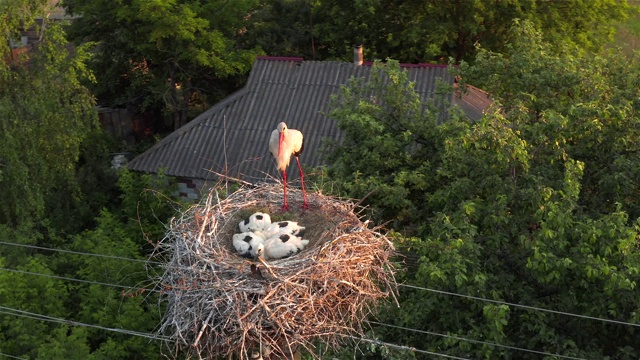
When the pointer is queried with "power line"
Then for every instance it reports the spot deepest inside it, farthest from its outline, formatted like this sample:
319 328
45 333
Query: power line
47 318
12 356
371 322
42 317
31 315
403 285
474 341
81 253
408 348
521 306
76 280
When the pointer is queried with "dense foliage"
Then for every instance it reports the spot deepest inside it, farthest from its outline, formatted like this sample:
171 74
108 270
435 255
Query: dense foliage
423 31
45 114
58 191
536 204
168 56
76 305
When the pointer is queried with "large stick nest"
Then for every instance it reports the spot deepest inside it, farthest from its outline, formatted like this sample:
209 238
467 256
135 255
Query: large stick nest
218 303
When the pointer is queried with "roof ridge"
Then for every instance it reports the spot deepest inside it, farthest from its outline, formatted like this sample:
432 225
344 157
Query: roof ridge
280 58
365 63
195 122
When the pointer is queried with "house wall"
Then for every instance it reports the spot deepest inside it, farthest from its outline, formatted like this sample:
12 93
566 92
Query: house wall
193 190
190 189
117 122
127 126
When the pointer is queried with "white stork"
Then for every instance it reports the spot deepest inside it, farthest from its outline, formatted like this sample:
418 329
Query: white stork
279 247
283 227
283 143
256 222
247 243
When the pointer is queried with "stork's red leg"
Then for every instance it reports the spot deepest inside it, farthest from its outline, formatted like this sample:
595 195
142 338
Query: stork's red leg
285 207
305 204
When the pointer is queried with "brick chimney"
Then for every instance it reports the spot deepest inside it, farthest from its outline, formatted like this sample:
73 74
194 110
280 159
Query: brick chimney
358 56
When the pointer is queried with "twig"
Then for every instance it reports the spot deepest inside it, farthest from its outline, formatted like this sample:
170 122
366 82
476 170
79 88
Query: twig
319 294
195 343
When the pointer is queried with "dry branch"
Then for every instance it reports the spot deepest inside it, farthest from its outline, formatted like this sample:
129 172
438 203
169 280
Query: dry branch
219 304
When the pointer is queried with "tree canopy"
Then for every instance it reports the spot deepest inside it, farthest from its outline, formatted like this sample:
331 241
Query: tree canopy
536 204
424 31
508 227
45 113
166 55
58 300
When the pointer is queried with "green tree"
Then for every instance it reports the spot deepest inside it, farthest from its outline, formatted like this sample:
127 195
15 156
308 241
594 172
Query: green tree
53 157
167 55
45 113
390 156
516 208
586 106
14 16
54 174
110 293
21 333
96 189
426 31
286 28
128 309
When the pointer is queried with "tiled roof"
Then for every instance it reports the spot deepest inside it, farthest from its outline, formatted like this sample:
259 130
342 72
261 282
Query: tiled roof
473 101
231 137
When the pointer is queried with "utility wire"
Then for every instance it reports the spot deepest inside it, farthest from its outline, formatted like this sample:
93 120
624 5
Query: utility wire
408 348
521 306
372 322
35 316
402 285
77 280
12 356
80 253
31 315
474 341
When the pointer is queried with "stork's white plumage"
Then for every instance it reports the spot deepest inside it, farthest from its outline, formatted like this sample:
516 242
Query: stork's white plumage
281 246
284 143
283 227
247 243
256 222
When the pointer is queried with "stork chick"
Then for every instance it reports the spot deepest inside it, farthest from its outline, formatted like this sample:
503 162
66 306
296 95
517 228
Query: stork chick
246 243
281 246
256 222
283 227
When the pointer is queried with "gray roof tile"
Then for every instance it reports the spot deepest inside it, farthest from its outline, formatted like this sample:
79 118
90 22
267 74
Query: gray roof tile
231 137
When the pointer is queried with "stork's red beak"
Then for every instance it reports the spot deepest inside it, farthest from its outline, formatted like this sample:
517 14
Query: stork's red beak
280 143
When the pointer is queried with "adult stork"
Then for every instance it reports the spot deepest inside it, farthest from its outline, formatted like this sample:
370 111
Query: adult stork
284 143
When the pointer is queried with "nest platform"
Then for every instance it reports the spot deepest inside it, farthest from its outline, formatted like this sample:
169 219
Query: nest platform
219 304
